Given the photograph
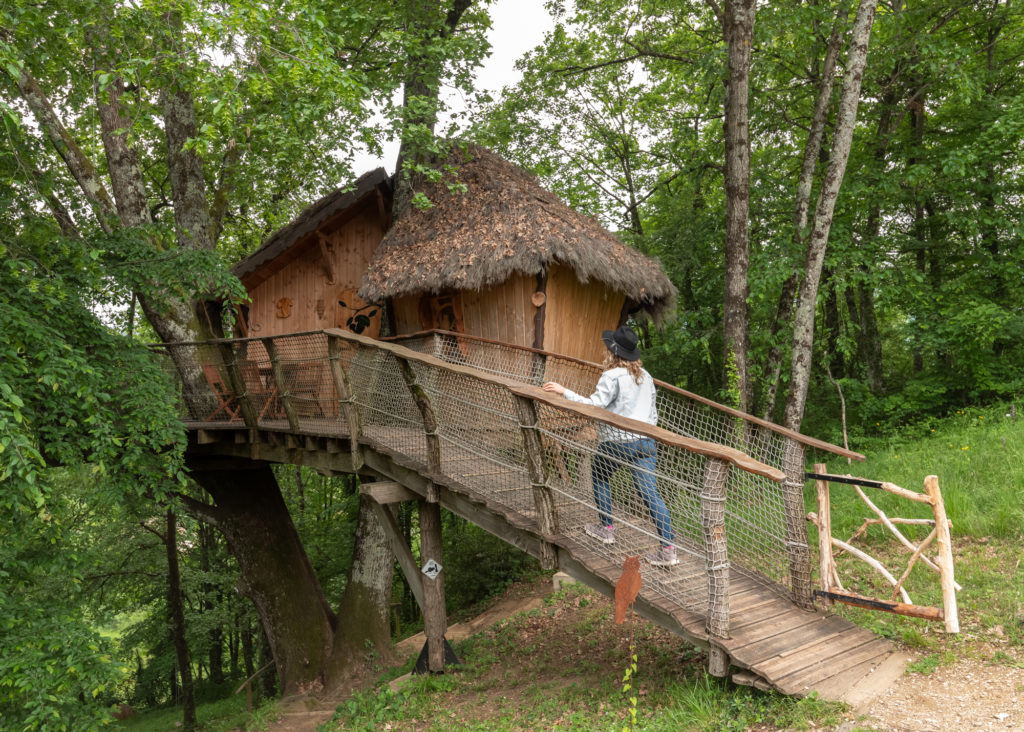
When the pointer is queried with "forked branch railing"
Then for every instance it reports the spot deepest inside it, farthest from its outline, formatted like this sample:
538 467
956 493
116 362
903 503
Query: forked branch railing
832 586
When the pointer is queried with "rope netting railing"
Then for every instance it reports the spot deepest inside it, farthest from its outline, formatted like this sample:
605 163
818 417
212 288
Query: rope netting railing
471 411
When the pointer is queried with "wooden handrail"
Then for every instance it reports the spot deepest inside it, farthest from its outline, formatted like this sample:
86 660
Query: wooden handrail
771 426
779 429
708 449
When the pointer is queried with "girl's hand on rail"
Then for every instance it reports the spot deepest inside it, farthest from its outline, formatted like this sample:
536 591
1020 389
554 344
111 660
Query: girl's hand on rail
555 387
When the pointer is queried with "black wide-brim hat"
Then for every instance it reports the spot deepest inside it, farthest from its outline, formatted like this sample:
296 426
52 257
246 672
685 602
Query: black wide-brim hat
622 342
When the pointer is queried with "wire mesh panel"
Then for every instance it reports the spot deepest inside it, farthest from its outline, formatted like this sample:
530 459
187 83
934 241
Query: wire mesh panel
482 440
389 414
755 509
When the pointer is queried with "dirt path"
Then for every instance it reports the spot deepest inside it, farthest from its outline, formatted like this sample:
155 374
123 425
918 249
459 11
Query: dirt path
968 695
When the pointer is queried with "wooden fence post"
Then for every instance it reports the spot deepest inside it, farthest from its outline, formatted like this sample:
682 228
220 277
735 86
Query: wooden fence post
716 549
945 558
547 519
434 612
346 399
238 387
282 383
826 565
796 528
716 561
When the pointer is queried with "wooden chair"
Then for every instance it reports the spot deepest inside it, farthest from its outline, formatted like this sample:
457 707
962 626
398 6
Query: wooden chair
225 397
261 389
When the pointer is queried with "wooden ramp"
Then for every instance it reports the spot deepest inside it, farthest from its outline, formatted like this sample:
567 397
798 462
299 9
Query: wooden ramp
772 642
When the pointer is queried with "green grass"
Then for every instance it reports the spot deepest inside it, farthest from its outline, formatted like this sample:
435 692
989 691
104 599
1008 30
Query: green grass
224 715
978 456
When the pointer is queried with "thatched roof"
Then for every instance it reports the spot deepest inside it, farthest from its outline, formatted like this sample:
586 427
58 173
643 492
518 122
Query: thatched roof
504 224
334 204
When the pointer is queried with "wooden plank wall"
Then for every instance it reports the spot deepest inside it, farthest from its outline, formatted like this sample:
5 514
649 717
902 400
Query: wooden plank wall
502 313
303 280
577 313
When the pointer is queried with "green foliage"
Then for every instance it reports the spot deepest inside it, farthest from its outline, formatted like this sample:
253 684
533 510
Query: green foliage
478 565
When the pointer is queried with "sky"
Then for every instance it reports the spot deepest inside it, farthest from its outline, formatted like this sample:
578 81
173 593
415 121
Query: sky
516 27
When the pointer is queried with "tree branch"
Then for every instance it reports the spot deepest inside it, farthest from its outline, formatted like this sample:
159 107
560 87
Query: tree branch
198 510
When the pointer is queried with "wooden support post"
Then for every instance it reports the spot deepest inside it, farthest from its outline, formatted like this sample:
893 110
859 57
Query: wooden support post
716 550
282 383
796 529
825 562
346 399
547 518
945 558
238 388
718 661
434 612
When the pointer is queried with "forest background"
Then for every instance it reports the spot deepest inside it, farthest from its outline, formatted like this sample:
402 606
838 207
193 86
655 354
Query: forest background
214 123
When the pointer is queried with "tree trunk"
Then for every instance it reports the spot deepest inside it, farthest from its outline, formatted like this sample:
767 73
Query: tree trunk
363 611
738 26
420 101
276 573
215 636
188 699
801 204
803 322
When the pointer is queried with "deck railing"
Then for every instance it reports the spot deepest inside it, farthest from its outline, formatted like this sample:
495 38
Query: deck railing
470 411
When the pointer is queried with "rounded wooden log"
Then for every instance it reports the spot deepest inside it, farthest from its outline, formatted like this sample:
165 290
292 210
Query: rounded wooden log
796 529
435 621
945 558
716 550
825 561
343 389
544 502
718 662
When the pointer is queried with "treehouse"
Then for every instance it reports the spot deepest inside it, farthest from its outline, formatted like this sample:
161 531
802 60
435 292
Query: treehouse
306 275
508 261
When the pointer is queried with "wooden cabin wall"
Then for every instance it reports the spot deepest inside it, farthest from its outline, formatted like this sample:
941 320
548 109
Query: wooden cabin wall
300 289
502 313
577 313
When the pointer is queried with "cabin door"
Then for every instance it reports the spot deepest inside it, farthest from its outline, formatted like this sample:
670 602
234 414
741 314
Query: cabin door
353 313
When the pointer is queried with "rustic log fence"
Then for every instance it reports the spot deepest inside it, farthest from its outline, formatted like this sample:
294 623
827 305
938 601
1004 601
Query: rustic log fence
832 588
470 412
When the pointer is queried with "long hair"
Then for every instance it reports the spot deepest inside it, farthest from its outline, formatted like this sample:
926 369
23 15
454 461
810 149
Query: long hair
635 368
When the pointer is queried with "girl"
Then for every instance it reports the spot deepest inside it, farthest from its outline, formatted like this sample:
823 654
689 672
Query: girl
626 389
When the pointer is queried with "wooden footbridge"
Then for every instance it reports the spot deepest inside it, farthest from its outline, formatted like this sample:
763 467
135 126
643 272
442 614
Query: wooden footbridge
461 422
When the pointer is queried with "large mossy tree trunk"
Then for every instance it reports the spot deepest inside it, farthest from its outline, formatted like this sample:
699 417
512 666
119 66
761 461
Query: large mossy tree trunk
276 573
363 612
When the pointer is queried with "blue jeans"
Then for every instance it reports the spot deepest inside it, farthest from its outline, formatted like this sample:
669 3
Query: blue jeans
640 457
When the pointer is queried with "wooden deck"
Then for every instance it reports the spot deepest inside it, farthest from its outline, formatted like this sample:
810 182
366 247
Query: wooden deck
772 642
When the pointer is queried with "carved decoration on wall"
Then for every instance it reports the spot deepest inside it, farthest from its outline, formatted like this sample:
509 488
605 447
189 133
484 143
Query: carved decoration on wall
320 308
355 314
284 307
